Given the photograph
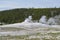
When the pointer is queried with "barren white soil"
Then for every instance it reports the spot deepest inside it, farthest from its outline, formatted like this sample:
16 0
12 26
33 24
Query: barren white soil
29 31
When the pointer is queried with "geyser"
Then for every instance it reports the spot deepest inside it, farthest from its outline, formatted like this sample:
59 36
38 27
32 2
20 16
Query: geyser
28 20
43 20
51 21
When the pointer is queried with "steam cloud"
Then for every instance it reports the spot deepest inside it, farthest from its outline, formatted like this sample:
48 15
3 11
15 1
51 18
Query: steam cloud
44 20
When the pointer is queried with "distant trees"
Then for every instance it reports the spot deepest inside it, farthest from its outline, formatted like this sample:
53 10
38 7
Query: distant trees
18 15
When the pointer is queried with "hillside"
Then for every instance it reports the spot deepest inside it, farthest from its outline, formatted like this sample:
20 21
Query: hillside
19 14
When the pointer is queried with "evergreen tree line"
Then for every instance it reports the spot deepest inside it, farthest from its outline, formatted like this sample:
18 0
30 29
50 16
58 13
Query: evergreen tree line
19 15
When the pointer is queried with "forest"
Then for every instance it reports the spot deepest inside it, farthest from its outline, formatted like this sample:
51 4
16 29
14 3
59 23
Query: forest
19 14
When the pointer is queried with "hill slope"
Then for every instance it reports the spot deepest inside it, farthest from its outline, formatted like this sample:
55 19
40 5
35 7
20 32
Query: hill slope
18 15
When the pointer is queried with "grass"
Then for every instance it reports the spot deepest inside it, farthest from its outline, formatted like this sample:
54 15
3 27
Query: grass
27 37
48 34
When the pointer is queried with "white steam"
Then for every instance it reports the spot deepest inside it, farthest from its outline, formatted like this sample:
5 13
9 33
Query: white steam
29 19
51 21
43 20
